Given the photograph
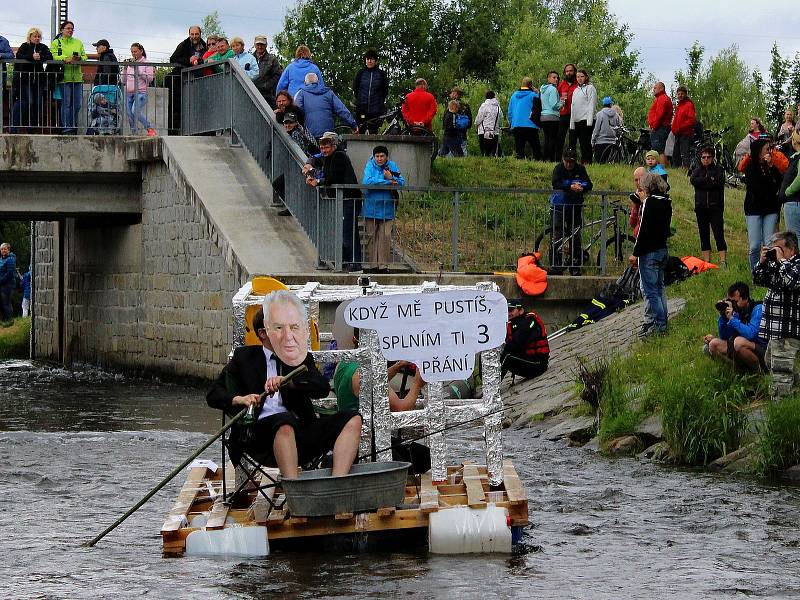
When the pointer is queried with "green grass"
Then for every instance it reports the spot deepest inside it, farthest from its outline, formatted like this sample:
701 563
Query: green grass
14 340
779 436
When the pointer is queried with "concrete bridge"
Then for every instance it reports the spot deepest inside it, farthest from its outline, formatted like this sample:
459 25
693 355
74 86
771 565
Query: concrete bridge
140 245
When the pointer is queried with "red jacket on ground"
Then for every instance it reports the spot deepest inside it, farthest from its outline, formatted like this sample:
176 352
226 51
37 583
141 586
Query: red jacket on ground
660 113
419 107
685 118
569 88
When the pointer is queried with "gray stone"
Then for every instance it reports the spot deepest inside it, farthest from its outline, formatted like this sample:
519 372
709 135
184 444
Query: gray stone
658 451
624 445
575 427
651 428
792 474
736 461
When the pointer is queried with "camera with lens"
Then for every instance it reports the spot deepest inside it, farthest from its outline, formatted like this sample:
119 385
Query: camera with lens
723 305
772 254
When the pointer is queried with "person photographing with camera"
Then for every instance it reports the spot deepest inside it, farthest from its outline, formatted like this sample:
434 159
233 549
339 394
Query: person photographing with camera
737 329
778 269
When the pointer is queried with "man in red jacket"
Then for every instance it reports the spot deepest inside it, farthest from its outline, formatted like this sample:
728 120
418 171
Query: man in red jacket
683 128
565 89
419 107
659 118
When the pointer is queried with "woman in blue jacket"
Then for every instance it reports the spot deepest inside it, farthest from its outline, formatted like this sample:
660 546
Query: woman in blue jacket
294 75
379 208
523 129
8 281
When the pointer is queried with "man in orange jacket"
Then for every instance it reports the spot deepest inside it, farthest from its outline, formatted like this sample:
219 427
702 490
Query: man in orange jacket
419 107
659 118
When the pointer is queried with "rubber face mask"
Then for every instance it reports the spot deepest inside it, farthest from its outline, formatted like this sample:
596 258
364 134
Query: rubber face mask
288 334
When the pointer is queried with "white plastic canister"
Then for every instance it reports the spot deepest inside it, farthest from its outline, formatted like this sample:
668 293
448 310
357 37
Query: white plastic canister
464 530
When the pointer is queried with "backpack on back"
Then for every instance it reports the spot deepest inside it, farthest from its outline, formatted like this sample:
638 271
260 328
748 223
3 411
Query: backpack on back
461 121
536 111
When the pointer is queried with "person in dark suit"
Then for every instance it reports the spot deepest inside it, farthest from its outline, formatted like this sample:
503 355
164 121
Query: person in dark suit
287 428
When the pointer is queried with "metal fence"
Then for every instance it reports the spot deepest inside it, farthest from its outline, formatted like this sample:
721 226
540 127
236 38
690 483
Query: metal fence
485 230
34 101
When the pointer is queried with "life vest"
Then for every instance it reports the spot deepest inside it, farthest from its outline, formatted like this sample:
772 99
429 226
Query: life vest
536 345
531 278
697 265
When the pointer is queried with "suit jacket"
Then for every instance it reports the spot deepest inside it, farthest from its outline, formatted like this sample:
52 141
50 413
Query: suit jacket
246 373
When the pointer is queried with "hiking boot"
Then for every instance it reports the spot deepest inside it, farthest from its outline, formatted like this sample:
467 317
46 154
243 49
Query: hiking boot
284 213
151 132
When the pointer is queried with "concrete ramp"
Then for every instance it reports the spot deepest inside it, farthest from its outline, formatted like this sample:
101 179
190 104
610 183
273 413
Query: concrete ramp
237 197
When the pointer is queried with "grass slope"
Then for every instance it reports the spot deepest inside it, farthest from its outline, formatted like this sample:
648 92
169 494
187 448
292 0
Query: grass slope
14 339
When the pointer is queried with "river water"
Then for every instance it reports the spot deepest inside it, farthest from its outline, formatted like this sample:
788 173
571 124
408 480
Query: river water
78 449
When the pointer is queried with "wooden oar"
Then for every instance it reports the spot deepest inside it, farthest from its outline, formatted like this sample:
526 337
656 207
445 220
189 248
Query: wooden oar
286 379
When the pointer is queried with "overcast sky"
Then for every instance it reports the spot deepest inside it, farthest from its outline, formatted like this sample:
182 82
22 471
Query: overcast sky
662 31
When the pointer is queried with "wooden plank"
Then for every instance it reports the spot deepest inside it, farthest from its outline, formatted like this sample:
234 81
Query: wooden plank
345 516
429 495
177 515
476 497
401 519
218 516
261 506
386 511
514 490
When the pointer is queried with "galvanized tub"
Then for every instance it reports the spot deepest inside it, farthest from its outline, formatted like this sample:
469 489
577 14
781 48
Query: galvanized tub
368 486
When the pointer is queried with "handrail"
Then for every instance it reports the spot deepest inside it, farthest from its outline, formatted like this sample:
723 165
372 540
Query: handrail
469 190
88 63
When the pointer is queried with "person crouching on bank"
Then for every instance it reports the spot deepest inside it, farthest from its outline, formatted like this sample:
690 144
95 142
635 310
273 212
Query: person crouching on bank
526 352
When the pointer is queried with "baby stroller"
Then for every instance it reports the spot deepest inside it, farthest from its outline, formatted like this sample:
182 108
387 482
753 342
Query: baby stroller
104 110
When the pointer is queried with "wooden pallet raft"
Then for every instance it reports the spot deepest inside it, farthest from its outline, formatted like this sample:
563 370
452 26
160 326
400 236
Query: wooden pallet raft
466 485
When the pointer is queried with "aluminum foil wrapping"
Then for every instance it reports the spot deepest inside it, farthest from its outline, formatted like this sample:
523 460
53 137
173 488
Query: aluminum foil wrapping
434 427
493 431
381 415
239 306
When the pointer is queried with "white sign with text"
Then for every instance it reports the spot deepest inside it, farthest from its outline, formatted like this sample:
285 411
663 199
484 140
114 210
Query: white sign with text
439 332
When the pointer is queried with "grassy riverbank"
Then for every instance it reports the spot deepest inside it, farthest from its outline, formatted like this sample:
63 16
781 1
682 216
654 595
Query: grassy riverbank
707 409
14 339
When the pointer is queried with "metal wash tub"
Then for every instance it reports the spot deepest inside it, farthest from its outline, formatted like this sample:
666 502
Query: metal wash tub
367 487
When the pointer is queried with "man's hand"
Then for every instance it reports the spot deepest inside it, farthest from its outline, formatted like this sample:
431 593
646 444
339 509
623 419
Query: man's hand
193 60
311 181
707 338
576 187
762 257
246 400
729 312
633 261
273 384
307 169
387 174
779 255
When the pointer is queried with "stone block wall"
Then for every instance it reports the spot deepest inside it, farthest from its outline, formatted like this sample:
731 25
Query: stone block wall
150 297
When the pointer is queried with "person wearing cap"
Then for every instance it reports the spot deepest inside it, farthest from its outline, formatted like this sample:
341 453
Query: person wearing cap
708 180
332 166
659 118
526 352
321 107
604 134
379 208
269 70
294 75
246 60
683 128
188 53
570 181
652 164
107 74
419 106
370 89
299 134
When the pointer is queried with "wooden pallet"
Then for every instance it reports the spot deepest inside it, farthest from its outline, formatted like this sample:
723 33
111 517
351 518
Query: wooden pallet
466 485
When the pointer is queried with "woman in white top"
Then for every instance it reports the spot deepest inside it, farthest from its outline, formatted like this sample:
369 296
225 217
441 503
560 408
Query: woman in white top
488 122
584 107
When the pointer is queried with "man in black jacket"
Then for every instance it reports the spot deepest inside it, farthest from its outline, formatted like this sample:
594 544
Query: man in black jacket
269 70
709 204
650 251
526 351
570 182
287 428
370 88
330 167
107 74
189 53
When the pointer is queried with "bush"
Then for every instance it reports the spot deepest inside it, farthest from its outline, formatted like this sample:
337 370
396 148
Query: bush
618 415
779 436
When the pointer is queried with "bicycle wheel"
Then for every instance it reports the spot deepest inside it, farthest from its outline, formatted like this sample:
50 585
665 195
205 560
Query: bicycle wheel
426 133
617 250
612 154
549 251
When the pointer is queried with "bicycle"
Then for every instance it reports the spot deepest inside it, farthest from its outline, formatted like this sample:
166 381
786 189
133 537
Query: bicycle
618 243
397 125
626 149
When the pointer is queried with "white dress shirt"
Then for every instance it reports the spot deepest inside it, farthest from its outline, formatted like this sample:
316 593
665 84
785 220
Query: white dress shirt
272 405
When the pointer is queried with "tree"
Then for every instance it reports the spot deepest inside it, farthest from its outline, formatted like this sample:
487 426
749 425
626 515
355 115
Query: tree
776 96
400 30
212 25
547 35
793 91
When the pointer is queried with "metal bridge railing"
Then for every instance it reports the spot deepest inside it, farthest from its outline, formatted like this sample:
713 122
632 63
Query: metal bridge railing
32 102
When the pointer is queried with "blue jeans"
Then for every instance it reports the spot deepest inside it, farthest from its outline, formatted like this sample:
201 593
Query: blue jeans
25 112
136 104
651 273
791 215
70 106
6 310
759 230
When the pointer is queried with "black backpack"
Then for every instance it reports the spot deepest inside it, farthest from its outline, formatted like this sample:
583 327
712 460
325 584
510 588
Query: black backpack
536 110
675 271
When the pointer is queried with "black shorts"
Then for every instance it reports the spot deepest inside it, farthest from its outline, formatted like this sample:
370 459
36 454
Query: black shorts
313 439
658 139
